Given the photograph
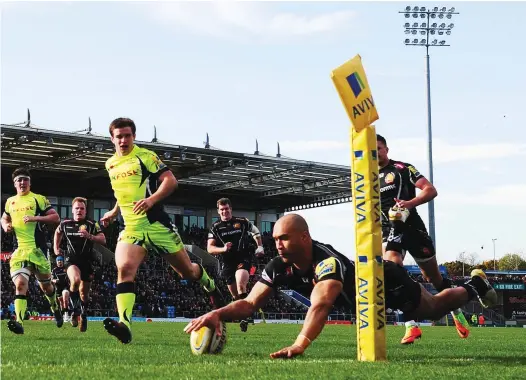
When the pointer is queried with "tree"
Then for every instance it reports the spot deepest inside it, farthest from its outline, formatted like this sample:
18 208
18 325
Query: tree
512 261
454 268
489 265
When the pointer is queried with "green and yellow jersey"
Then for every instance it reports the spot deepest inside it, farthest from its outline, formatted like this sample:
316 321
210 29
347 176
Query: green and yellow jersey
134 177
28 235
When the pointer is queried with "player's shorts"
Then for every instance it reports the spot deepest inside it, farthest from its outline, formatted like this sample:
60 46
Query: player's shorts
60 288
156 237
229 270
416 241
402 292
29 260
86 269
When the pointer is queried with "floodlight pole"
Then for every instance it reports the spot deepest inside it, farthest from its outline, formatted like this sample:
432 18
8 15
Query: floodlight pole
428 28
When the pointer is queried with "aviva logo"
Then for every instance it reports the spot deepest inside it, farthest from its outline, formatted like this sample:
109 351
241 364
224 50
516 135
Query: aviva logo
356 84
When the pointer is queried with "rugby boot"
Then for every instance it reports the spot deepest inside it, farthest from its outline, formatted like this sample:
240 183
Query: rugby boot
487 296
461 324
15 327
118 329
412 333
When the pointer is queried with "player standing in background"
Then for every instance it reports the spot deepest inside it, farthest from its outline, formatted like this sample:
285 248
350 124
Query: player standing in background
140 181
60 279
403 229
231 238
24 215
80 234
327 277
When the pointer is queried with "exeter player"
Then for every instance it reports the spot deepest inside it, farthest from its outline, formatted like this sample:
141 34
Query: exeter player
60 279
403 229
25 213
140 181
229 239
318 271
80 233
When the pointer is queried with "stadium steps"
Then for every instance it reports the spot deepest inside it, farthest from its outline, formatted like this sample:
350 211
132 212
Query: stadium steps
296 297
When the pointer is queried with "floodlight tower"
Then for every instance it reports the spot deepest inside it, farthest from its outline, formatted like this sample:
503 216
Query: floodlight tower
426 27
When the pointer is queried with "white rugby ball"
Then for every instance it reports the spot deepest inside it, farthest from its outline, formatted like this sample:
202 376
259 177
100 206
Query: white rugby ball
205 340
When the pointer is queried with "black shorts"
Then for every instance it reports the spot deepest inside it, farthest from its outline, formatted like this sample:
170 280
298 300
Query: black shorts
408 238
402 292
60 286
228 272
86 269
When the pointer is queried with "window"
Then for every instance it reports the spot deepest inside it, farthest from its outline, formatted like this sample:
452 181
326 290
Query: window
266 227
98 213
215 219
64 212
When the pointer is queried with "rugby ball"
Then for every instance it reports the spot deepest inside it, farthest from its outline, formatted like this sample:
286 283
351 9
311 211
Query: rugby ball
205 340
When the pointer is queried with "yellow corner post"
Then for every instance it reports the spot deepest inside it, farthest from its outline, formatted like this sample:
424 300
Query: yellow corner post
352 86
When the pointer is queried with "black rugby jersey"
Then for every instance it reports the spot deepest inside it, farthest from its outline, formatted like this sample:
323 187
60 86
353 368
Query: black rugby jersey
397 180
327 264
236 231
77 246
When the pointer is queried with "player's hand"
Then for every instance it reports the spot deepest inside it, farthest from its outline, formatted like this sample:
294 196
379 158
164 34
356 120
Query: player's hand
29 219
8 228
260 252
142 206
227 247
107 218
288 352
404 204
208 320
84 233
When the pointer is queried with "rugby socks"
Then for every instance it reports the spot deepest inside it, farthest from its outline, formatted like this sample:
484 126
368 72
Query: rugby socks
52 299
242 296
475 287
20 307
75 301
206 281
446 284
125 301
83 307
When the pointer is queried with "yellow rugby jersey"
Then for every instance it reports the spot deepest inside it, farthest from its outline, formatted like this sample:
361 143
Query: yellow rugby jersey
28 235
134 177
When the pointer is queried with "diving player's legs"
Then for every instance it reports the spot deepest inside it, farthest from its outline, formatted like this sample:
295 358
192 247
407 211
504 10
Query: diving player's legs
478 287
128 258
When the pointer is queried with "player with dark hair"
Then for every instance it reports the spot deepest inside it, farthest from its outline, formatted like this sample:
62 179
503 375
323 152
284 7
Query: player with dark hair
80 234
60 279
25 215
403 229
327 277
140 181
231 238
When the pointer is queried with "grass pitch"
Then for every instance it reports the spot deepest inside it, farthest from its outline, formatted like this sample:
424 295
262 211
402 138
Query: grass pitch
161 350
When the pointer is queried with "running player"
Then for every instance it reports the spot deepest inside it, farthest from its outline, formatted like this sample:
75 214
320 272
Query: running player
60 279
327 277
403 229
80 234
230 239
140 181
24 215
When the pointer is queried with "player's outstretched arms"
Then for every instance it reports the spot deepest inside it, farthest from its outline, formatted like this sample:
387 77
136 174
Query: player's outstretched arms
239 309
323 297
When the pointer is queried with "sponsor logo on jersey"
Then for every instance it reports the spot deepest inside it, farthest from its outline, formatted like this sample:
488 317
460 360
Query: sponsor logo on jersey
129 173
237 225
389 178
25 208
82 227
326 267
